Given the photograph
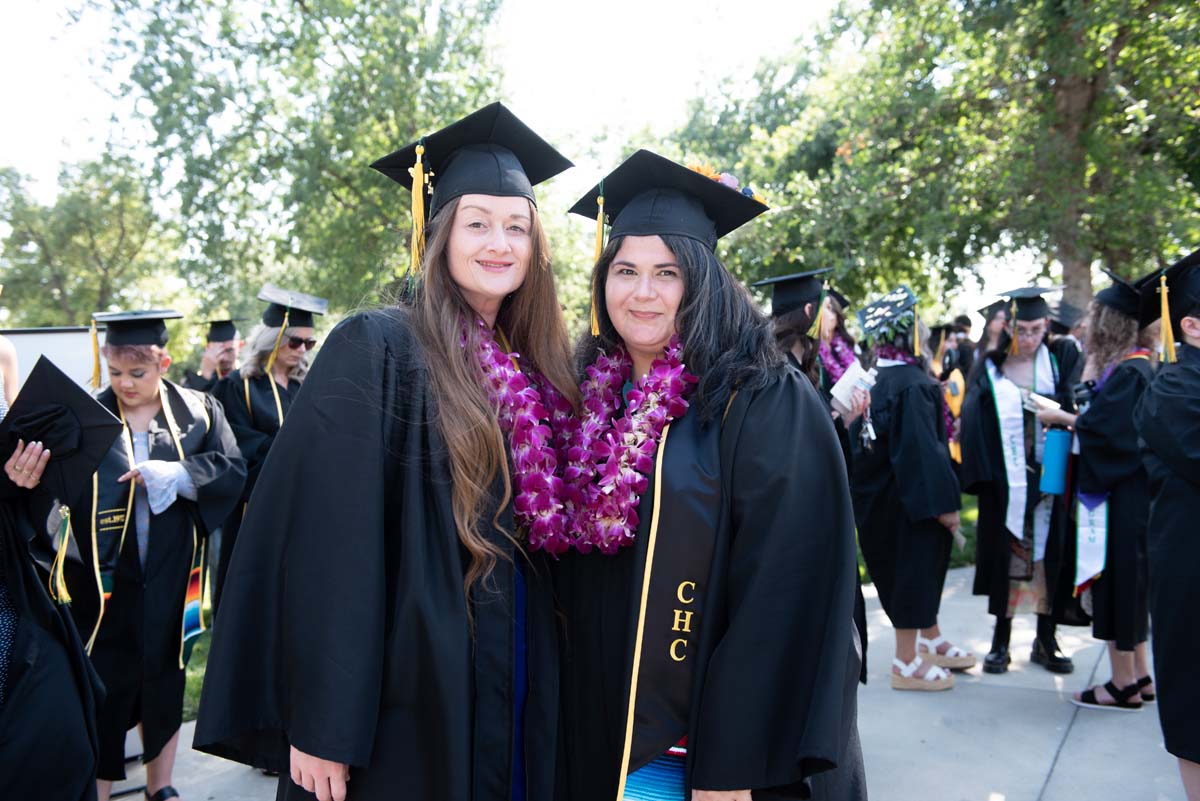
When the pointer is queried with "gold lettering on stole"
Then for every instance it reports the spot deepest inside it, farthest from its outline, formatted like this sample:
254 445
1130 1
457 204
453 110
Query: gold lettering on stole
683 620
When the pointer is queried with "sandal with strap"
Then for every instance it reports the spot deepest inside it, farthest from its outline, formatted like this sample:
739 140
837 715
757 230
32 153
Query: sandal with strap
935 678
1088 699
955 658
163 794
1142 683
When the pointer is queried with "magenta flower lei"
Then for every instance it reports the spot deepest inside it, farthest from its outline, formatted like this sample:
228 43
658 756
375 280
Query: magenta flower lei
889 351
609 457
521 405
835 356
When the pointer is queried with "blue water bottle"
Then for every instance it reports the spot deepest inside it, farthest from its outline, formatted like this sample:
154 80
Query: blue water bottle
1054 461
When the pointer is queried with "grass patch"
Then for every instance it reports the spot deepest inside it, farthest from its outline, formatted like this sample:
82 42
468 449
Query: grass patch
195 676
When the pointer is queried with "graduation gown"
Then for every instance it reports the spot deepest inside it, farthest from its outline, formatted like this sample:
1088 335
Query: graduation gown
135 617
1110 464
900 485
48 743
196 380
349 634
1168 421
749 645
982 473
255 419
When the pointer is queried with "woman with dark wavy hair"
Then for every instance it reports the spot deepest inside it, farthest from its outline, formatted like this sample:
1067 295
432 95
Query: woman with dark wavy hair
388 628
710 648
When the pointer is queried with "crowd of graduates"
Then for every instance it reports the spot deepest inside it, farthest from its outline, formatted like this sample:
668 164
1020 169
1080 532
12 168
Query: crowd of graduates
458 556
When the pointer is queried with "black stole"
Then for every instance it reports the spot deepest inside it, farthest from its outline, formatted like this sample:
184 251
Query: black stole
678 527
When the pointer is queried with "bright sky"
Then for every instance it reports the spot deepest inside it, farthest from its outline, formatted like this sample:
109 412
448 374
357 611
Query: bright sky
573 68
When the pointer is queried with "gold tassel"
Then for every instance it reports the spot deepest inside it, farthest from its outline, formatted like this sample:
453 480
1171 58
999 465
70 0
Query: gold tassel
916 337
1012 329
275 350
95 356
1167 335
815 330
418 211
58 582
596 260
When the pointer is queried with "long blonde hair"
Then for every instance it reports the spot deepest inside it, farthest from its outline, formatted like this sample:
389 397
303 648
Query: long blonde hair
259 344
532 320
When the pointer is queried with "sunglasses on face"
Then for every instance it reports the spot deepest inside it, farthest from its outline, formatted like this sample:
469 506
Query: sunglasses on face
295 343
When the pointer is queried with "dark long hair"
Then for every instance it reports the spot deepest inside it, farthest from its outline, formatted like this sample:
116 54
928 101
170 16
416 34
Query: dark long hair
533 321
727 342
791 330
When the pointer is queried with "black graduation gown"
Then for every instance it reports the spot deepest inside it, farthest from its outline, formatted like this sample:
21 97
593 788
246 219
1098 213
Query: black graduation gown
773 659
982 474
196 380
348 632
1109 463
899 487
250 408
48 745
138 649
1168 421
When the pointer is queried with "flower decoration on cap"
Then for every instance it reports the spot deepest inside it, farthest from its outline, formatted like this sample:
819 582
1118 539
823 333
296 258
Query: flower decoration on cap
726 179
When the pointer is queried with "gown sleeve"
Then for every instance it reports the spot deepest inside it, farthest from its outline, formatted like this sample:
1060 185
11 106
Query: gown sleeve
1108 441
299 656
919 456
252 443
1168 419
773 708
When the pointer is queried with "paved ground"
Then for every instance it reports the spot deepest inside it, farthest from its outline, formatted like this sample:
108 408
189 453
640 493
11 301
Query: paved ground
1014 737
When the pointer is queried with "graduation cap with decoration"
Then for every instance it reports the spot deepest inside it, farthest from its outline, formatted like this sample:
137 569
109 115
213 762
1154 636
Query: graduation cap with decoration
78 431
893 314
287 308
488 152
650 195
1177 291
129 328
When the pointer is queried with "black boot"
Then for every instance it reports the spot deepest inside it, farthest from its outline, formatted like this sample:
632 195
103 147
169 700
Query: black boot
997 659
1046 651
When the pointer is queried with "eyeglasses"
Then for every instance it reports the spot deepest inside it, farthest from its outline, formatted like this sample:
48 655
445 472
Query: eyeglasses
295 343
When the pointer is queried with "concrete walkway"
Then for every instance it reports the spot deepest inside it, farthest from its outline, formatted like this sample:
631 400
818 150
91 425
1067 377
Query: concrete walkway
1014 737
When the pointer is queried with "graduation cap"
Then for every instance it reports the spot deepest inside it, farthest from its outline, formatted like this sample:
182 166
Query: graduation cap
488 152
1149 307
842 300
791 292
286 307
1177 291
136 327
78 431
1064 316
649 195
894 313
1029 302
221 330
992 309
1120 295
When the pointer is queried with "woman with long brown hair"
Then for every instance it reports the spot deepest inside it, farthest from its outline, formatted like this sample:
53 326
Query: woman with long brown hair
391 630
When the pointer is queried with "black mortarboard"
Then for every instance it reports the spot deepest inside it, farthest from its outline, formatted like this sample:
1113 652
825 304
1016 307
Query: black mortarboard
1030 303
298 307
136 328
78 431
891 314
649 195
222 330
1120 295
992 309
841 299
791 292
1182 280
1149 307
1063 317
488 152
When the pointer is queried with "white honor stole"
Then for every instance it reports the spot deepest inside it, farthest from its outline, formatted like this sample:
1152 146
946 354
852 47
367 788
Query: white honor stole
1010 414
1091 541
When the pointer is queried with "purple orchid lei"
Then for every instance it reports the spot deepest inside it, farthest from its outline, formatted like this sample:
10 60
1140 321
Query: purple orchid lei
520 398
888 351
835 356
609 457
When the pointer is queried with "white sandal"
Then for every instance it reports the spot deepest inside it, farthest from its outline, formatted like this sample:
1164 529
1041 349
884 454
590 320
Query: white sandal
935 678
955 658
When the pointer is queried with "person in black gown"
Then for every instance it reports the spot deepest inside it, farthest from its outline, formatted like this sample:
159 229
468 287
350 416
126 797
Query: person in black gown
906 496
1168 421
795 300
1023 554
258 395
710 647
1112 498
138 584
222 346
388 628
48 688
